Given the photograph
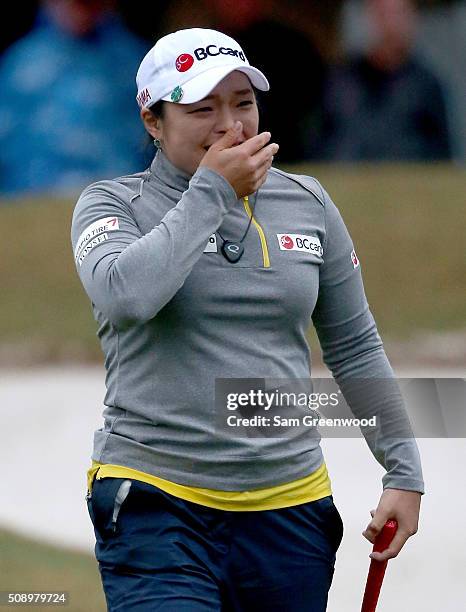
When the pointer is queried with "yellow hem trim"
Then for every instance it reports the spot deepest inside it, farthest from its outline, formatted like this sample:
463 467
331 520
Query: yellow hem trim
306 489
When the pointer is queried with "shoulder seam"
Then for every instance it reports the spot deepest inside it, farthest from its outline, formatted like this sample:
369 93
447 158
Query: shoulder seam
292 177
133 191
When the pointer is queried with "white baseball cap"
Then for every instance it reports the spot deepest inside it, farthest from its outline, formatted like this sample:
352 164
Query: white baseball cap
185 66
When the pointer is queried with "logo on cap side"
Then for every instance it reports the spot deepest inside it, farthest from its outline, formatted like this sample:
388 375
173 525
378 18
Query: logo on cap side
184 62
143 97
176 94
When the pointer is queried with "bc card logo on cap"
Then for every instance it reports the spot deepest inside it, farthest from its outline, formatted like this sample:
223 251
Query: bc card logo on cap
185 61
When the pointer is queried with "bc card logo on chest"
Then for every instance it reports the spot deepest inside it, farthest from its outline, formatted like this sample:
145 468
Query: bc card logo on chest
300 242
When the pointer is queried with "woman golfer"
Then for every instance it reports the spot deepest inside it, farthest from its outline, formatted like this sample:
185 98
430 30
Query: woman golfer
203 272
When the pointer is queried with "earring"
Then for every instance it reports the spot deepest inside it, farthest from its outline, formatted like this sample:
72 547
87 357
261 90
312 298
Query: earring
157 143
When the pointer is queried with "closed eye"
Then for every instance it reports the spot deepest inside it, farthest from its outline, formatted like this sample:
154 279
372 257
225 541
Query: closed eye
245 103
203 109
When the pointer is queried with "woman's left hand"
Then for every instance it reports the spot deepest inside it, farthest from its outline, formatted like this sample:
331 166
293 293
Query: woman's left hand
403 506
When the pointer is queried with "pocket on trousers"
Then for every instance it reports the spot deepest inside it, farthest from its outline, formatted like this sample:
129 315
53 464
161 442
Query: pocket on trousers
332 521
105 503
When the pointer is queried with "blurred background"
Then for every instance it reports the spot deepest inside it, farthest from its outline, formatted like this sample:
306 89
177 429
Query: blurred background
369 97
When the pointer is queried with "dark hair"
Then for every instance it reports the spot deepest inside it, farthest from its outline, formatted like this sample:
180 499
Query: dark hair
258 96
157 109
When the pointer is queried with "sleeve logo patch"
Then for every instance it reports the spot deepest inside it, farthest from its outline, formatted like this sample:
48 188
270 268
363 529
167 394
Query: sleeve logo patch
88 239
300 242
354 259
90 245
211 246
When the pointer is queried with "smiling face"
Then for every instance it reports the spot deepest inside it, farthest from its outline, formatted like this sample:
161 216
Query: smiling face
186 131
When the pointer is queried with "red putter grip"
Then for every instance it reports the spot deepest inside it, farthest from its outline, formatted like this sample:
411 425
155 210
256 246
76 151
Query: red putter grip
377 568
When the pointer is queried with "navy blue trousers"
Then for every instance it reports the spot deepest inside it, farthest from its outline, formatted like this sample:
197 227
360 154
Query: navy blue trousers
159 553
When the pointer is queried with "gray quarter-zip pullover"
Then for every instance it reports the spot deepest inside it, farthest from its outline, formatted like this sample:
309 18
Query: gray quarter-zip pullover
174 315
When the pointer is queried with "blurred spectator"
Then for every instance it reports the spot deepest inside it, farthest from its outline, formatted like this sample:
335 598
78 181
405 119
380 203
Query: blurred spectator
68 113
385 105
280 39
441 40
183 14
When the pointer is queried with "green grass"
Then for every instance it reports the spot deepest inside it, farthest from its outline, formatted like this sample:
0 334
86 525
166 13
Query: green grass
406 222
29 565
43 304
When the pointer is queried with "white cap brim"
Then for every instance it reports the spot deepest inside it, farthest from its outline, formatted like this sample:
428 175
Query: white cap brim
202 84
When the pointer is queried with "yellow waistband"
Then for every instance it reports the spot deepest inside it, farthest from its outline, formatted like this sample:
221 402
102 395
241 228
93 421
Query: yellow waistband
310 488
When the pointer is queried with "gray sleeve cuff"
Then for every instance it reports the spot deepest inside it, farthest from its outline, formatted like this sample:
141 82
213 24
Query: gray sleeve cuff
204 177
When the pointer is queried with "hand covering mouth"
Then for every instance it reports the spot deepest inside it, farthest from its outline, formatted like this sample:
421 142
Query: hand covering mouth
207 147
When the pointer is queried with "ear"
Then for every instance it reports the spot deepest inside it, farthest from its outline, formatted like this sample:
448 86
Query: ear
152 123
